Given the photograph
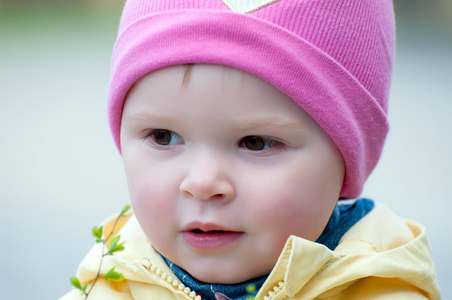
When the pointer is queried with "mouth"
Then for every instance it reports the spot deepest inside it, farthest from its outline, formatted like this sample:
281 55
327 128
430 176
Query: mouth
199 231
211 239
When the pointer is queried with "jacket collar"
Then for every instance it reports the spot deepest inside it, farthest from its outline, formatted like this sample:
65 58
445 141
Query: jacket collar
305 269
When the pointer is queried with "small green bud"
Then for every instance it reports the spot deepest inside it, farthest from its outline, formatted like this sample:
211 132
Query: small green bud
97 233
113 275
76 283
124 210
250 288
114 246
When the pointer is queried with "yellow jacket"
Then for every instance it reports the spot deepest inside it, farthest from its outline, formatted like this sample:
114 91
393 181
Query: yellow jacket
380 257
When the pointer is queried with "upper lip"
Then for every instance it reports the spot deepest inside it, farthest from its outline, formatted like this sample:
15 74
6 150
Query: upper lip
205 227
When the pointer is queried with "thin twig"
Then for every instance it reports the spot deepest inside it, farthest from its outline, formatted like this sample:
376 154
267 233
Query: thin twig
104 247
98 270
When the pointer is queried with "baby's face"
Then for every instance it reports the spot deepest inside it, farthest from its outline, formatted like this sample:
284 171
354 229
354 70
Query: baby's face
222 168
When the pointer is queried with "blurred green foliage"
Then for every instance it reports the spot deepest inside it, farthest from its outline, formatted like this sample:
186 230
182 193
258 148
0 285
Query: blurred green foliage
436 13
60 3
426 12
79 18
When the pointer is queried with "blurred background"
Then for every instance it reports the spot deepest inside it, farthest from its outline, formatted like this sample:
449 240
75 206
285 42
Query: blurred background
60 173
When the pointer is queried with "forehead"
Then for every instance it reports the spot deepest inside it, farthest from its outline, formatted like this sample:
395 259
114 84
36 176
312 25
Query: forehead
206 86
175 80
213 95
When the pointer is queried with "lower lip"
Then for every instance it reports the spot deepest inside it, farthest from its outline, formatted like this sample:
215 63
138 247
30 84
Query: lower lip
211 240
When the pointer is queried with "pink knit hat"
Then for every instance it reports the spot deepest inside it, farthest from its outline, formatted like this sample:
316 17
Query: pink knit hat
334 58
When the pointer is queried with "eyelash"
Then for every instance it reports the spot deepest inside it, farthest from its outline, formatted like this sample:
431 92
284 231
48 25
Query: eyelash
264 143
253 143
159 133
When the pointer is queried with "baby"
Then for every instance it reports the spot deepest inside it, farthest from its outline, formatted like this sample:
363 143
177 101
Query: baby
246 129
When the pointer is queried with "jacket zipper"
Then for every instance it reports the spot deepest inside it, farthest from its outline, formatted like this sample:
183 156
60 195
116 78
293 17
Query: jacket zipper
145 262
173 281
276 290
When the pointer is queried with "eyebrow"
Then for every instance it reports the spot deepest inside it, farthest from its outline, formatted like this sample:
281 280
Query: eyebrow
147 116
275 122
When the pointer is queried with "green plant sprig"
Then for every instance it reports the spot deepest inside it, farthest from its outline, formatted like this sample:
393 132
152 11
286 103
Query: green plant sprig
114 246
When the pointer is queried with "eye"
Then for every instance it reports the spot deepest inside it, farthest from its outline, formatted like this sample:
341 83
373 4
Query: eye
164 137
259 143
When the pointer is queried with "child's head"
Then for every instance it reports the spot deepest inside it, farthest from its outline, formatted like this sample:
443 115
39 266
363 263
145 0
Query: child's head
248 124
213 148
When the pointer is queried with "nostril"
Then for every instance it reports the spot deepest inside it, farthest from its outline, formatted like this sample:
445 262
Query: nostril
186 193
217 196
206 190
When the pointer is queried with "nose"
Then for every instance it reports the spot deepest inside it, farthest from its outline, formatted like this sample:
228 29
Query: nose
207 180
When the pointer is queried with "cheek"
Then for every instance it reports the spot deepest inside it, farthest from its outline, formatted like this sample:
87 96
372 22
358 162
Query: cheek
155 211
293 201
293 214
151 193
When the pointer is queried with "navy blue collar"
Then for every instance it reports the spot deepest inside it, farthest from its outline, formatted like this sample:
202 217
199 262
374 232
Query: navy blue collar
239 291
346 214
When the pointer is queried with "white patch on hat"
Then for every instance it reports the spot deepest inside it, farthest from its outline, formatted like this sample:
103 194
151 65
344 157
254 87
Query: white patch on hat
247 6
